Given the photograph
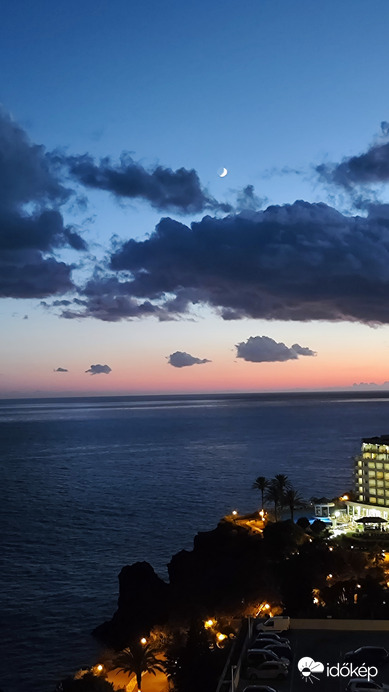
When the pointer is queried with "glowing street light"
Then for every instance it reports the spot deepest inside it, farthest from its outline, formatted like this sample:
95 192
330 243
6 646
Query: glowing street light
143 641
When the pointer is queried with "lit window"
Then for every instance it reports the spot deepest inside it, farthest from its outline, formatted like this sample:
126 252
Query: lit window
380 501
373 500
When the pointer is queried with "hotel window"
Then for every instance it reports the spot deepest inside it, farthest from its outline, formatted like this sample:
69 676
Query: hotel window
387 476
361 498
380 484
371 465
386 467
380 491
372 473
380 501
372 481
379 466
373 500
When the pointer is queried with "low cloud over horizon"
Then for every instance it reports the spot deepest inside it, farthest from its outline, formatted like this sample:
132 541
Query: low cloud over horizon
181 359
61 370
99 369
263 349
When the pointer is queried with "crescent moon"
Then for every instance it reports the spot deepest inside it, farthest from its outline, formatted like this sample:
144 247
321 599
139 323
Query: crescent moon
222 172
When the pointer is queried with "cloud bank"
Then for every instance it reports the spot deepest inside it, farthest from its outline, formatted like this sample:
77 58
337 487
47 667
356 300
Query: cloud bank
31 225
263 349
180 359
294 262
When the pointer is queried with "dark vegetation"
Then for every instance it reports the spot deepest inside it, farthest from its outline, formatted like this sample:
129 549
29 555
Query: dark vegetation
296 567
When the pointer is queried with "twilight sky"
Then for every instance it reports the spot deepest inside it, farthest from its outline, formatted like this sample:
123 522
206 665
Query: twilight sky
127 265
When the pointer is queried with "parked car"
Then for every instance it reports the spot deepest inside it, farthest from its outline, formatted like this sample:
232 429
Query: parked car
259 688
271 637
370 655
268 669
259 656
279 623
363 685
281 650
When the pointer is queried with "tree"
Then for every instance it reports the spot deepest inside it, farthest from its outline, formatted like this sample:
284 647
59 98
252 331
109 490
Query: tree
282 482
273 495
293 499
261 483
138 659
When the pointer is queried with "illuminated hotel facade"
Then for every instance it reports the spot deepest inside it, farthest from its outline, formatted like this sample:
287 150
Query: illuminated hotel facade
371 480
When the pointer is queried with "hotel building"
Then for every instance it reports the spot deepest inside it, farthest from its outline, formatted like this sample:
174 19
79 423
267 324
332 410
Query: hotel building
371 479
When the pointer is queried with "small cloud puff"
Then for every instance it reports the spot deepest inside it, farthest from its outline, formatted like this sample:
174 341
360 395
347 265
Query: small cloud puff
99 369
61 370
263 349
180 359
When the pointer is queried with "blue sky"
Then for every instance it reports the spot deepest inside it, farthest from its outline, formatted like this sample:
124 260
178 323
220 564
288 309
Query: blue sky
263 87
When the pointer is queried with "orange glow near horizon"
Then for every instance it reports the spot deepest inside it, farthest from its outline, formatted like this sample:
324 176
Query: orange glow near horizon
137 354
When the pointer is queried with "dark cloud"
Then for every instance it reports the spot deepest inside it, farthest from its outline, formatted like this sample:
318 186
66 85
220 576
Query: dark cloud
61 370
180 359
31 225
369 168
263 349
99 369
163 188
294 262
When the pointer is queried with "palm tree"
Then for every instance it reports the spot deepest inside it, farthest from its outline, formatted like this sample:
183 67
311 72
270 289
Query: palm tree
276 490
283 483
273 495
293 499
261 483
138 659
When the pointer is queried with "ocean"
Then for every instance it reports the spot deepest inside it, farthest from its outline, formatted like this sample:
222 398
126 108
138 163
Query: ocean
89 485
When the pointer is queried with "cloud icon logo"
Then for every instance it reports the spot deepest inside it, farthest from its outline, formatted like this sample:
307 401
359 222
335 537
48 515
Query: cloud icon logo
307 667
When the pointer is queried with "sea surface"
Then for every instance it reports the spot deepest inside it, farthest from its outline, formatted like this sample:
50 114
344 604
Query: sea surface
89 485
